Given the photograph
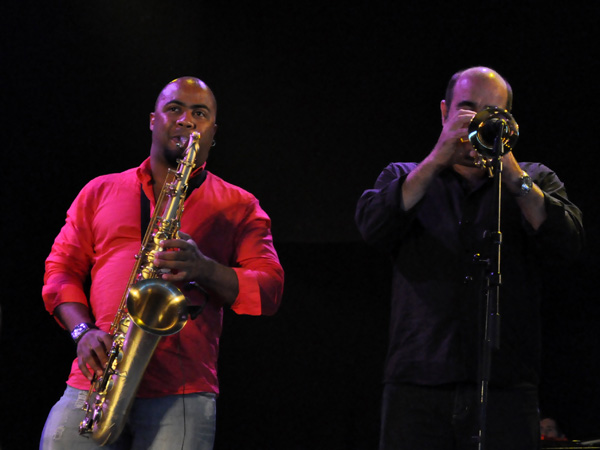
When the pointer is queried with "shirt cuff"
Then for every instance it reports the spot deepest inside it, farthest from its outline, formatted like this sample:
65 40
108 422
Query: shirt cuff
248 300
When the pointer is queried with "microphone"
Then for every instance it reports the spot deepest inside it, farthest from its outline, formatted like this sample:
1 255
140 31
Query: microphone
491 129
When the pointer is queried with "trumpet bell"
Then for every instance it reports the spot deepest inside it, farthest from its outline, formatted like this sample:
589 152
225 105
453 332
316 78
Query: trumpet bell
489 124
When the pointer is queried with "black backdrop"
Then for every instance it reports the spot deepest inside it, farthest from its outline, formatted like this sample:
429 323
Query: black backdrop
315 98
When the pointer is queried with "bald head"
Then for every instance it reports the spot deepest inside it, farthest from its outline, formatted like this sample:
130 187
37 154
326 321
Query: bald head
185 105
185 83
478 73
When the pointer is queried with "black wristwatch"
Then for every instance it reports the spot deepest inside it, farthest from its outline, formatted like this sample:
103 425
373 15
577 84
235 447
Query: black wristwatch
80 330
525 184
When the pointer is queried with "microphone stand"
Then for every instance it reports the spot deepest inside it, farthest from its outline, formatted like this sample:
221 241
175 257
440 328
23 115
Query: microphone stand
491 337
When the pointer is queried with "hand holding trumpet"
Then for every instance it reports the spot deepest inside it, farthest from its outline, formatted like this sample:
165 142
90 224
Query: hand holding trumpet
453 146
462 129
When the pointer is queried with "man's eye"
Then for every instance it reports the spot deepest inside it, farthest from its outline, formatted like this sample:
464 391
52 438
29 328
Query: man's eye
199 113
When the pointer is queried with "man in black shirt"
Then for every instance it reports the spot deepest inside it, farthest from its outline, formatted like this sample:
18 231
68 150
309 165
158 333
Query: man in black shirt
433 217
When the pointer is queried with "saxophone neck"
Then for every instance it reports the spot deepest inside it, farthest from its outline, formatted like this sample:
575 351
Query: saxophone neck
163 174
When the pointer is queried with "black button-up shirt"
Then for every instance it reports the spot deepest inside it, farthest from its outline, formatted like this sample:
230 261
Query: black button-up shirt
439 285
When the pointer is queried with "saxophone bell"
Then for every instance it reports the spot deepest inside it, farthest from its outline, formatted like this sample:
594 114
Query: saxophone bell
157 307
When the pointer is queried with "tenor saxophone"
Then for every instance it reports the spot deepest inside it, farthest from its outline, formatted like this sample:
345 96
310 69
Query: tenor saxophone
156 307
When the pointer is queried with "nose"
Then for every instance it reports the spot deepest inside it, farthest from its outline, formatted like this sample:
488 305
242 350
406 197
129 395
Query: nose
185 120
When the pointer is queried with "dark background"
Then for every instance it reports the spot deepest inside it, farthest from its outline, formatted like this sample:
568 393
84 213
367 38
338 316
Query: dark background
315 98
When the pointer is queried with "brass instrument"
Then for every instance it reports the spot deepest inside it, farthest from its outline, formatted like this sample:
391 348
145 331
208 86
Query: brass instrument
156 307
485 127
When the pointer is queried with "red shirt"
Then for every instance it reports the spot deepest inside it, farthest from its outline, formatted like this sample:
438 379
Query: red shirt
102 235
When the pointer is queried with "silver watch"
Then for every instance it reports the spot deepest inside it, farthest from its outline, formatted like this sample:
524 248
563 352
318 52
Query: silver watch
80 330
525 184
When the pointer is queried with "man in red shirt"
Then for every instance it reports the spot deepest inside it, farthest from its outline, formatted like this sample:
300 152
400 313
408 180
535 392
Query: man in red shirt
225 247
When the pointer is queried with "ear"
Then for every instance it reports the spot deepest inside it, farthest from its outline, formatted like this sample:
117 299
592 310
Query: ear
444 111
152 121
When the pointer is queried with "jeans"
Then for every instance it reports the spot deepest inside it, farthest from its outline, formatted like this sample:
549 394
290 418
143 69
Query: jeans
447 418
173 422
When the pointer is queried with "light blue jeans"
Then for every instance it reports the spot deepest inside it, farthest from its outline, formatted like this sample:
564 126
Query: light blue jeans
185 422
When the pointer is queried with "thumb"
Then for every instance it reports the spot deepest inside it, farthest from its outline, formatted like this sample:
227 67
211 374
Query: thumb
184 236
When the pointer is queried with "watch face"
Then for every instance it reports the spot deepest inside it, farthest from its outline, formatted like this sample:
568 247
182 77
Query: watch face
78 330
526 183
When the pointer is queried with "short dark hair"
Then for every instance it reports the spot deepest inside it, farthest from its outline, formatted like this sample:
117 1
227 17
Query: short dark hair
457 75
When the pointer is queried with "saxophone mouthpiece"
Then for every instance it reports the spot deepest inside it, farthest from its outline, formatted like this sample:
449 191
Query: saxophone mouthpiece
195 136
185 141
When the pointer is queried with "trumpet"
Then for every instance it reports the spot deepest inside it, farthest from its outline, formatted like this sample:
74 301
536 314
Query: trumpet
486 127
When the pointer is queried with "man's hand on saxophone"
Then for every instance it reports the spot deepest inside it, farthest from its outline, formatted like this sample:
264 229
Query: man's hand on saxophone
187 263
92 351
92 344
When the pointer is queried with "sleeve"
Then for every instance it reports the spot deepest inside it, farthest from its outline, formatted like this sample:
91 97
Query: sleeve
561 237
260 275
68 265
379 216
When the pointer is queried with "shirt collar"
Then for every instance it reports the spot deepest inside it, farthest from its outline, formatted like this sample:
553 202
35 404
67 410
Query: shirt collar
144 172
